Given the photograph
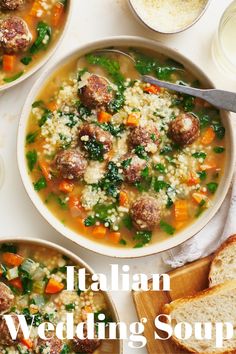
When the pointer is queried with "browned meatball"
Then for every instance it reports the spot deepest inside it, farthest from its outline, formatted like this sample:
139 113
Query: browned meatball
96 93
15 35
133 167
6 298
10 4
145 213
94 140
145 136
184 129
85 345
71 164
53 345
5 336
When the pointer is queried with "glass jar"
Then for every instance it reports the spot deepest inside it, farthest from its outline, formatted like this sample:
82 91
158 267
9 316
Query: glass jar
224 44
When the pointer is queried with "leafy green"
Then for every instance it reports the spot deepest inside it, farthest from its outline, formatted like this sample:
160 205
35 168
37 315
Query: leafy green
160 168
46 115
122 242
141 152
127 222
70 307
199 155
65 349
32 158
90 221
212 187
95 149
202 175
219 130
13 78
39 103
40 184
126 163
115 130
219 149
142 238
71 118
166 149
169 229
31 137
112 180
44 33
159 185
26 60
8 247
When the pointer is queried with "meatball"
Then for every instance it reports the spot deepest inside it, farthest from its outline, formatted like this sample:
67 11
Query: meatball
145 136
96 93
145 213
184 129
5 336
94 140
52 346
71 164
6 298
85 345
15 35
133 167
10 4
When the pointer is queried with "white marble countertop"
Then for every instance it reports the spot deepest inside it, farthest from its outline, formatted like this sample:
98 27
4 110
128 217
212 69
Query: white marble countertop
94 19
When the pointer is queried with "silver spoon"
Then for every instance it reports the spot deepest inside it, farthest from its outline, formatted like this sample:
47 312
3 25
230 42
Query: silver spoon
219 98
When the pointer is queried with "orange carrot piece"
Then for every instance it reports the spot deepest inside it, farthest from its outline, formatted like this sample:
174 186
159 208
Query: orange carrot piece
104 117
114 237
181 210
99 231
36 10
8 62
208 136
193 180
199 197
123 198
27 343
66 186
57 12
45 170
52 106
12 259
154 89
17 283
133 119
53 287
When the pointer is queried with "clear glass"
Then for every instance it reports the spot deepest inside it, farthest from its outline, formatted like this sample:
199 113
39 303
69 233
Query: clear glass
224 44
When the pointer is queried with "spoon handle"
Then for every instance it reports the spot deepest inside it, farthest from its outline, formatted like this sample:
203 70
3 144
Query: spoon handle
218 98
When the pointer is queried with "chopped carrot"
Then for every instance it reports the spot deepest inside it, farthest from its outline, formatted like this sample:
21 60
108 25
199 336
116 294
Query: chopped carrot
17 283
181 210
57 12
178 225
154 89
8 62
114 237
45 170
36 10
74 201
123 199
12 259
52 106
66 186
75 207
54 287
99 231
27 343
208 136
133 119
104 117
193 180
199 197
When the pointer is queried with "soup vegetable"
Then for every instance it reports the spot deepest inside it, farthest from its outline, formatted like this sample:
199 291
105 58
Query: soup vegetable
121 161
33 282
28 28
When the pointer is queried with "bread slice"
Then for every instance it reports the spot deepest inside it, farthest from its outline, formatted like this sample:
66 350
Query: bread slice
216 304
223 266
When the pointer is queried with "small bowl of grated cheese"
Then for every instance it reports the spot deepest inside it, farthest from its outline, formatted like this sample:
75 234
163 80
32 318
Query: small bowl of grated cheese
169 16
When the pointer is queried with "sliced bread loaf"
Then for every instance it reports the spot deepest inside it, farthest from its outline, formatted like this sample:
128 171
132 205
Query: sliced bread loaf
223 266
216 304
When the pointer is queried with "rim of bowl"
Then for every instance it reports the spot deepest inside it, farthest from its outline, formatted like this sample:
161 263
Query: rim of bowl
78 238
48 55
74 258
152 28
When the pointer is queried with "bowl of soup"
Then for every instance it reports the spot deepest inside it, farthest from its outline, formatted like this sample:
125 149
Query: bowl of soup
33 283
30 31
119 166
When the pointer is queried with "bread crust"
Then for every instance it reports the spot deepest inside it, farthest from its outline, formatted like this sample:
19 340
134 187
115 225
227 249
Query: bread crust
168 308
231 240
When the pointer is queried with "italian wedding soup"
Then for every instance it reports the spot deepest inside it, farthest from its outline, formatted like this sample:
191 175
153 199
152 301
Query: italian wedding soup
33 284
28 29
121 161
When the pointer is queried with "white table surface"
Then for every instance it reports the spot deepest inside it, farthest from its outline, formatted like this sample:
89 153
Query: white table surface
91 20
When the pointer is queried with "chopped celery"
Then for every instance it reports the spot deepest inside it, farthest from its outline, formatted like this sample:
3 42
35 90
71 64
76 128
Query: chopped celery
12 273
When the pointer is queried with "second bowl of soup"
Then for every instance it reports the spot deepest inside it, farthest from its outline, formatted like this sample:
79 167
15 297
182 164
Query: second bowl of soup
120 166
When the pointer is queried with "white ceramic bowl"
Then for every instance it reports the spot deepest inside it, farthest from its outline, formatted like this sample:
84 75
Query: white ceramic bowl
108 250
77 261
48 54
